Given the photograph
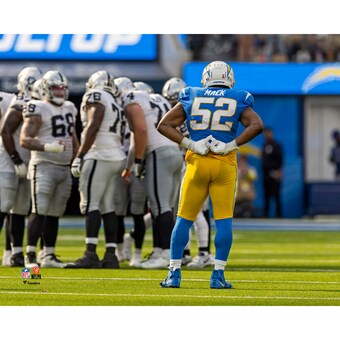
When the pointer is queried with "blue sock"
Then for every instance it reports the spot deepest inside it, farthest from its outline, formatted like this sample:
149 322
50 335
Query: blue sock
223 238
179 237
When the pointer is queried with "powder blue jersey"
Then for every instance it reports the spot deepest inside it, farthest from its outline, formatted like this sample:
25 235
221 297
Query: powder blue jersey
214 111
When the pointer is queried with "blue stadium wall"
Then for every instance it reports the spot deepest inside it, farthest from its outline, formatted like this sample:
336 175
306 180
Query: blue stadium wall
279 90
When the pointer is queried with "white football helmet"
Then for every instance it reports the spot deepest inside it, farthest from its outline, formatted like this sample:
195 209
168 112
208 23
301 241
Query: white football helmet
102 80
218 73
55 87
26 79
123 84
172 88
37 92
141 86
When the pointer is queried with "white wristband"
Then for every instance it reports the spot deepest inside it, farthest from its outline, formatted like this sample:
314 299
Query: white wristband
53 147
185 143
233 145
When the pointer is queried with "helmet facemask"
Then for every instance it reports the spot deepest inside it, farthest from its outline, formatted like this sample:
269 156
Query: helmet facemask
55 87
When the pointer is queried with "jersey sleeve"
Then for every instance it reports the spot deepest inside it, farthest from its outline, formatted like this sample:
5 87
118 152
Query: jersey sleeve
32 108
18 103
248 99
184 95
135 97
94 97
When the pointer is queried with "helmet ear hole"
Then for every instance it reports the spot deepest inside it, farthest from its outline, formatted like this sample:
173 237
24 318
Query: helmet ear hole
26 79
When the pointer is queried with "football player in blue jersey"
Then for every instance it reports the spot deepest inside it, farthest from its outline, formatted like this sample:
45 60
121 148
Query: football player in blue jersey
213 113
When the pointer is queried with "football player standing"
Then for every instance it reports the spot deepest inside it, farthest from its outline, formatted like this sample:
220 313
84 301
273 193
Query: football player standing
162 161
49 132
213 113
99 161
13 163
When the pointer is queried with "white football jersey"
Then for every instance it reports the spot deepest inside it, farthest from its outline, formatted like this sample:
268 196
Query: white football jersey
107 145
154 107
58 124
7 101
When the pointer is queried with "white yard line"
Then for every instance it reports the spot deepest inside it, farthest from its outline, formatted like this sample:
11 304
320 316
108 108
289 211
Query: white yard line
58 278
175 296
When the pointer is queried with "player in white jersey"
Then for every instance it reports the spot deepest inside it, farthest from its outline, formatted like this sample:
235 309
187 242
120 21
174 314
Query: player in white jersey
49 132
99 161
131 193
170 91
163 162
13 164
5 100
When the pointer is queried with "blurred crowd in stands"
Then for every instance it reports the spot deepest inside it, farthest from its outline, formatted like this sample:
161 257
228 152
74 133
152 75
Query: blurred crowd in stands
265 47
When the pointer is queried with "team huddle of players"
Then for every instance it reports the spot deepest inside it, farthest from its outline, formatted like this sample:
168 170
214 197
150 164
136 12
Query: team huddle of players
124 165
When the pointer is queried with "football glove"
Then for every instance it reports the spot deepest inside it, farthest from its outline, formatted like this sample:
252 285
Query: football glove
21 170
200 147
55 147
19 166
221 148
76 166
138 168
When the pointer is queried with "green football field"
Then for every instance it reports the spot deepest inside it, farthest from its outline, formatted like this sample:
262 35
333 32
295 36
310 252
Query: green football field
267 268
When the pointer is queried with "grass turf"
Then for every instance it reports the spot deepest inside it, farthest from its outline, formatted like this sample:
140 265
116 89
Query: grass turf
267 268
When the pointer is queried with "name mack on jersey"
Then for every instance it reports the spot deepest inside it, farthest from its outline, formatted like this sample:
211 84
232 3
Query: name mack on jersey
215 92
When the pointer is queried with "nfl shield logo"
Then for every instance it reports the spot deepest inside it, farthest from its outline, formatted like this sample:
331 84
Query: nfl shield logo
25 273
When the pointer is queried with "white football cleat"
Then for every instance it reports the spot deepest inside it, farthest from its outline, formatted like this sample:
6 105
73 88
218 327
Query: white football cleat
186 259
120 252
201 260
157 263
31 260
51 261
6 258
136 261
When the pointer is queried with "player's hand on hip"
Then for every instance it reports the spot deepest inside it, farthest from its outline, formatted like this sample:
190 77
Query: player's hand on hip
200 147
76 166
222 148
56 147
21 170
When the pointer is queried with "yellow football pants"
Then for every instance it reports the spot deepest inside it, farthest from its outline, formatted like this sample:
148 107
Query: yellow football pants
216 176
